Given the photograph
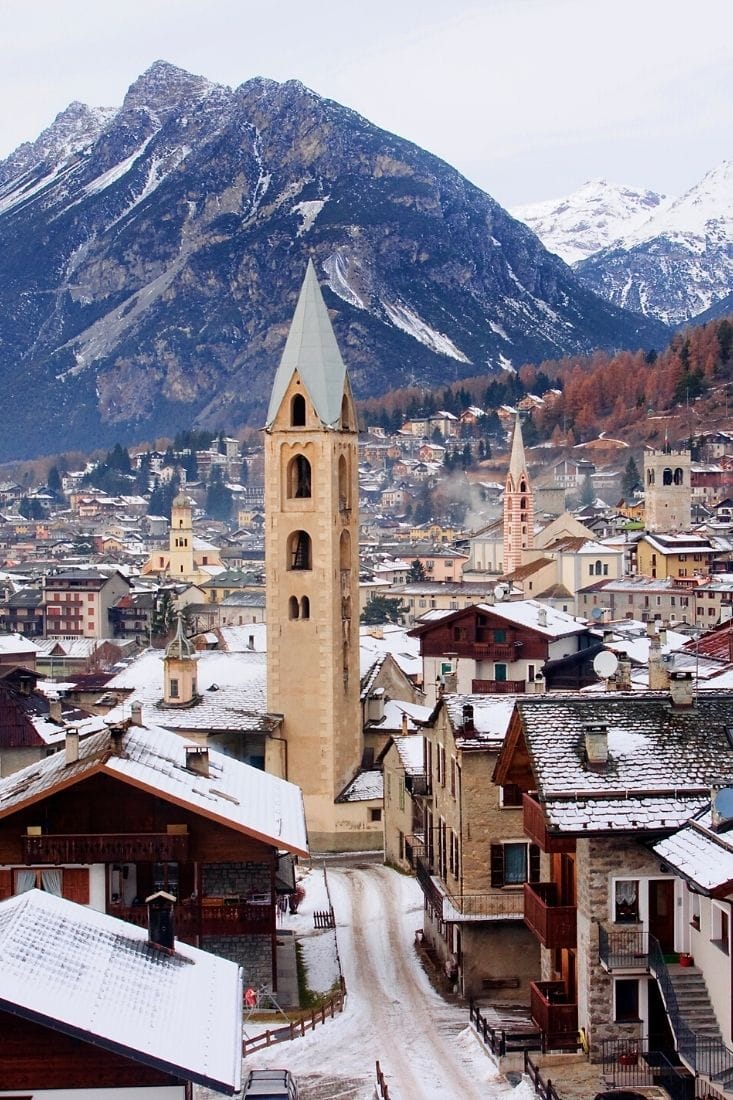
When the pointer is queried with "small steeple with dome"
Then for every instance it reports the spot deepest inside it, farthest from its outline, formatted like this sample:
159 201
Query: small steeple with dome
179 669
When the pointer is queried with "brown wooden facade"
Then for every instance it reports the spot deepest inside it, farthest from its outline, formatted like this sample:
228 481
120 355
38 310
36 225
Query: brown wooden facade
33 1056
100 820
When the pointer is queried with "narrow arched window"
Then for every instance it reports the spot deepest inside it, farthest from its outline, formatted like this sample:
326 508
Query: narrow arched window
678 476
345 550
345 418
293 608
667 476
343 483
523 503
299 477
599 568
299 550
650 477
305 608
297 411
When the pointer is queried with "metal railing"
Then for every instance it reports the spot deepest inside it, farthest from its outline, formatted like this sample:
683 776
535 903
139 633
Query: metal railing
708 1057
627 950
488 905
637 1062
498 1039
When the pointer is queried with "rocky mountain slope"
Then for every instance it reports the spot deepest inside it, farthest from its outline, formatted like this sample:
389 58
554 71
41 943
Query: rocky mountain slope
669 259
150 258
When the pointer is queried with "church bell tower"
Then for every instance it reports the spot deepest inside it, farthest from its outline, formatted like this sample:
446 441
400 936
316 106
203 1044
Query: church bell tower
518 505
312 566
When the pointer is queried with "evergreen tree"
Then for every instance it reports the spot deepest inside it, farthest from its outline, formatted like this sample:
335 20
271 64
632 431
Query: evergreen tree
382 609
54 480
218 498
587 492
631 479
417 571
164 619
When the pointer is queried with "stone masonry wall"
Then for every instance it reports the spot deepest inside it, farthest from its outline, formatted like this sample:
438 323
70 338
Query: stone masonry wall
235 880
253 953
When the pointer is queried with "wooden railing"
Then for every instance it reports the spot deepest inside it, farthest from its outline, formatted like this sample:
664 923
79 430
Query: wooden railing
556 1017
535 826
544 1089
106 848
498 687
382 1086
209 917
554 925
297 1028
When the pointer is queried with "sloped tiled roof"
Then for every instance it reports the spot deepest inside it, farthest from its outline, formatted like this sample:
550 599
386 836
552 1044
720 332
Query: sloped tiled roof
91 975
234 794
662 760
701 856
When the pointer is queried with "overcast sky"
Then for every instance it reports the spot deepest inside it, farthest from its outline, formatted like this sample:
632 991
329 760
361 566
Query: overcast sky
528 98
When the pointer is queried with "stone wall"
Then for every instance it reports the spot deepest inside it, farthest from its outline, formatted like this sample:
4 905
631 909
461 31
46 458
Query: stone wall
253 953
235 880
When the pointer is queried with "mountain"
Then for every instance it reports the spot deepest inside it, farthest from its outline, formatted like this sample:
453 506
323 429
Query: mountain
150 258
590 219
674 264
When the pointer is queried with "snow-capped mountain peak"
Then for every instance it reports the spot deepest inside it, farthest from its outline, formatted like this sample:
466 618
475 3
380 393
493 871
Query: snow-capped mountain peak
589 219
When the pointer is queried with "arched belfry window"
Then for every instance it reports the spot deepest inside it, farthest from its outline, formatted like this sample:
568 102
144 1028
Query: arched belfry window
293 608
345 550
345 416
343 483
299 477
650 477
523 503
523 487
678 476
299 550
305 608
667 476
297 411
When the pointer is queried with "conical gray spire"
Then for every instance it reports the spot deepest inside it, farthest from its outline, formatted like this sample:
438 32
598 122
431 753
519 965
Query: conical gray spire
312 351
517 463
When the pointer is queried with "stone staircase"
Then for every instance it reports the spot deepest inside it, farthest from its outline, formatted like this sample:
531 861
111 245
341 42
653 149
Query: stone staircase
695 1008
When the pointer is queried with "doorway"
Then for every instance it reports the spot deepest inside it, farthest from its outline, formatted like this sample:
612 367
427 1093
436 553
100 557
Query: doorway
661 912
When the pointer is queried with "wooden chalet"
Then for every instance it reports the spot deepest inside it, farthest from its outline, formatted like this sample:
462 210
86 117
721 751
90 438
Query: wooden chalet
129 810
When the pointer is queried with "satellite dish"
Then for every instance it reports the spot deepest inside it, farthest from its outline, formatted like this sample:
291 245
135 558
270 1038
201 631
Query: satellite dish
502 591
605 664
596 613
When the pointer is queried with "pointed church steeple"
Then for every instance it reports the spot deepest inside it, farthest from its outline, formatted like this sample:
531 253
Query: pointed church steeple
312 569
518 505
311 351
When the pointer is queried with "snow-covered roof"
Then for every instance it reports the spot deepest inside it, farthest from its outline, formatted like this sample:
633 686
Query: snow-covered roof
490 718
90 975
231 687
662 760
153 759
16 643
390 639
703 857
537 616
411 751
364 787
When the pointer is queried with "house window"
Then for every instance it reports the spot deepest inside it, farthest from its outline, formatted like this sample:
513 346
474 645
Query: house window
514 863
530 673
454 855
510 796
626 901
500 673
626 1000
375 814
441 765
720 930
500 636
173 689
401 794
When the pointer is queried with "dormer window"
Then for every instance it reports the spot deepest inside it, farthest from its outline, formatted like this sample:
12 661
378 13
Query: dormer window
297 411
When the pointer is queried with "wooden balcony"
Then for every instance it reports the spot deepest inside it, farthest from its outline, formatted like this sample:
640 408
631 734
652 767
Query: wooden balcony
106 848
554 1014
535 826
554 925
497 651
458 908
498 687
209 917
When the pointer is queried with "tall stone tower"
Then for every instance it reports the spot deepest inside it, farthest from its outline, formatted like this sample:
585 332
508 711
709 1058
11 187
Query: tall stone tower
312 564
667 491
518 505
181 539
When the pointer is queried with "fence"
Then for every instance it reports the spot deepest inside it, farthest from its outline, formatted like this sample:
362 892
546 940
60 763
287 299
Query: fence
297 1028
544 1089
382 1086
499 1040
324 918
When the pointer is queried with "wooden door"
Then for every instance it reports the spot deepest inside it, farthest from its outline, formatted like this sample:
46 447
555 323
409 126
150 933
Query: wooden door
661 912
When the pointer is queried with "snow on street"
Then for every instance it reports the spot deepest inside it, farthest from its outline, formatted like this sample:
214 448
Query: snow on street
424 1044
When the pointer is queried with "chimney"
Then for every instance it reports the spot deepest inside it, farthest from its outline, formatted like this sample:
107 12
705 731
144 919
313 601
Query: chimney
251 641
404 724
116 735
451 682
468 726
542 616
623 674
54 709
197 760
161 922
136 714
596 744
658 675
681 690
71 747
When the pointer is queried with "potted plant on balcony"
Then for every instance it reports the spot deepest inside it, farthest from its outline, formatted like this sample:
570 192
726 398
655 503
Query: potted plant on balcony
628 1057
686 959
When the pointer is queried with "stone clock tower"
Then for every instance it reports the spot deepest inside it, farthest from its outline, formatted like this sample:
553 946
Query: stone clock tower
312 562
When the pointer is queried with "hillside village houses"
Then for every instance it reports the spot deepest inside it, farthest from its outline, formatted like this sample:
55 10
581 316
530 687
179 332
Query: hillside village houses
430 733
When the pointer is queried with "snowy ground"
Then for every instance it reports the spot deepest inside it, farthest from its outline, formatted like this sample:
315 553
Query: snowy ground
424 1045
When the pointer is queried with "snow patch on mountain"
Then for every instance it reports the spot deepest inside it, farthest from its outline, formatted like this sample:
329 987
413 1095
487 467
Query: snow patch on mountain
117 171
414 326
589 219
337 267
704 213
308 212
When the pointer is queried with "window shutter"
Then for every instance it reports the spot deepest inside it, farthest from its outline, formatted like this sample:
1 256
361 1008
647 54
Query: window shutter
6 884
497 864
76 884
534 863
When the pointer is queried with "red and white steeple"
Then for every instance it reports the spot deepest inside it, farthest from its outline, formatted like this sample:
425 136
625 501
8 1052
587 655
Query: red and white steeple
518 505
